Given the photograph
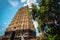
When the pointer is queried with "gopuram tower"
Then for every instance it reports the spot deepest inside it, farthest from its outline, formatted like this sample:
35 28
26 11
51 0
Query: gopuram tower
21 27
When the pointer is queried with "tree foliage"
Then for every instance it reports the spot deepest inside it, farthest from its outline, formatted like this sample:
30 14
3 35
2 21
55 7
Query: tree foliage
48 15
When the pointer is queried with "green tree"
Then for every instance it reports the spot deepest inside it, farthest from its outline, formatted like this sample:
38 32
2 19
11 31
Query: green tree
48 14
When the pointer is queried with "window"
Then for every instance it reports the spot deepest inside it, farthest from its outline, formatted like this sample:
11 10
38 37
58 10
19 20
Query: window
14 27
17 33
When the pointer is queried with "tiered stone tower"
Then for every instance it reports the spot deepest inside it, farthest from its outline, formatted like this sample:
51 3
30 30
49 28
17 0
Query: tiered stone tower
21 26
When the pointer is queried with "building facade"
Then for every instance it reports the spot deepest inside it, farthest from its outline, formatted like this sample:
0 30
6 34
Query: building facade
21 27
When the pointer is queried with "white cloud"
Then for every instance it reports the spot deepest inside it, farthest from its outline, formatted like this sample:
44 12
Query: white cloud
29 3
35 24
22 1
14 3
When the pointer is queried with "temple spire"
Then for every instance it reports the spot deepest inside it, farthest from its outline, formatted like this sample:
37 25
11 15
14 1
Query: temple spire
21 25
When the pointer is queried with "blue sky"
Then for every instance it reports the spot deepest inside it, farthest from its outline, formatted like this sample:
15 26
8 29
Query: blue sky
8 9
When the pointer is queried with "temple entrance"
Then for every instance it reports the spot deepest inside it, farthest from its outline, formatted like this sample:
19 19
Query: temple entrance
12 35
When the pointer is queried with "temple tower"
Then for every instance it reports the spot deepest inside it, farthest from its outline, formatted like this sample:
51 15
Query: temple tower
21 25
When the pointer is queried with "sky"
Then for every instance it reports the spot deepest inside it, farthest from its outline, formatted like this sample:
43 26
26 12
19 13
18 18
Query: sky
8 9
